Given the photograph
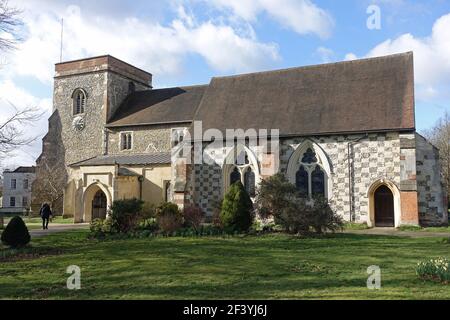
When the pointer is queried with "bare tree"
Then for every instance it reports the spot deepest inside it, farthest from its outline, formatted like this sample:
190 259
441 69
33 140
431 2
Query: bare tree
9 22
439 135
48 187
12 135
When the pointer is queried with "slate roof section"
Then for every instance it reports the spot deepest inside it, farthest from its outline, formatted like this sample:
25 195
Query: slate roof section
367 95
159 106
31 169
135 159
353 96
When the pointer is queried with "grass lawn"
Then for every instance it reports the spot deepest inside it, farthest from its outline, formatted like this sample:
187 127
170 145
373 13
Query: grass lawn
266 267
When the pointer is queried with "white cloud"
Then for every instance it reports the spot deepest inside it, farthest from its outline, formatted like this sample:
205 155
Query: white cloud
431 57
325 54
149 45
158 48
350 56
301 16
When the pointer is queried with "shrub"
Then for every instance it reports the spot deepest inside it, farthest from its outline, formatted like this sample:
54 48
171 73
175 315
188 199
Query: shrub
322 218
193 217
278 198
169 217
16 233
434 269
148 216
101 227
237 209
126 214
273 195
293 217
148 211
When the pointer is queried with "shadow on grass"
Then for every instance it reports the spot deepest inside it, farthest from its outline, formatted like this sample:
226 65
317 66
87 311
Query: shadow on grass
266 267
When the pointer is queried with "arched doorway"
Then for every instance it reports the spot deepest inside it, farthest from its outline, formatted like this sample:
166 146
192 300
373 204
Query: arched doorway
384 207
96 201
99 205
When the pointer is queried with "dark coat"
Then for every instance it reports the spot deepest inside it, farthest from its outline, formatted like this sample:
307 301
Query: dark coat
45 211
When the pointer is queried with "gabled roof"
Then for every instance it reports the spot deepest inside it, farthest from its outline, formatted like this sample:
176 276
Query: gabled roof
361 95
159 106
31 169
134 159
365 95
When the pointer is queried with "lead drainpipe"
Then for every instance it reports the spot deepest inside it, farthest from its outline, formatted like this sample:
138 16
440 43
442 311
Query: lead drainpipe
350 175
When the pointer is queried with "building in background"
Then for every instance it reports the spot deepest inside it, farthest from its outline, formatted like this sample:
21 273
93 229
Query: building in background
17 189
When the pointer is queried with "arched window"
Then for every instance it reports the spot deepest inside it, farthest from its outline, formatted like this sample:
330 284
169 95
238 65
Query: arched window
310 177
79 101
250 182
241 165
235 176
302 181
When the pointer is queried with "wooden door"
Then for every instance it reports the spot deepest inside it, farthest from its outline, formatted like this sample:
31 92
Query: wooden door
384 207
99 206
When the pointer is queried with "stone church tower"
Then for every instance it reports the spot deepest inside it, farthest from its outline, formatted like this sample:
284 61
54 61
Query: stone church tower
86 94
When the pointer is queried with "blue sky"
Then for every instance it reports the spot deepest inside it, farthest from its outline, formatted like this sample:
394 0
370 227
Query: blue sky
185 42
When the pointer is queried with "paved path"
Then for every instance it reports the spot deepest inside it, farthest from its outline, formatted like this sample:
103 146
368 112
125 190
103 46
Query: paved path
55 228
397 233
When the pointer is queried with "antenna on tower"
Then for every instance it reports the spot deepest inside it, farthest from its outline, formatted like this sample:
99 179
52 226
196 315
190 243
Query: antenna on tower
62 38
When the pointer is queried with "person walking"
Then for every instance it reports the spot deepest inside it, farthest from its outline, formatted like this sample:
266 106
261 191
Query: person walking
45 214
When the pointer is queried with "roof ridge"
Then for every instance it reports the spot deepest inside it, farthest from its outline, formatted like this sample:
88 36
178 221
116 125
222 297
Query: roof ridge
315 66
176 87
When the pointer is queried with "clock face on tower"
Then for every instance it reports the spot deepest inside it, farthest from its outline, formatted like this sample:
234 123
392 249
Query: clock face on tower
78 123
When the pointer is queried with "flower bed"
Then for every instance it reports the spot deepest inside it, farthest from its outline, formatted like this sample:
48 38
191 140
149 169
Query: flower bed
435 270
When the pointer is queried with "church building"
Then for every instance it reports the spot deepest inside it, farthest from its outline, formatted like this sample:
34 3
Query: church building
345 131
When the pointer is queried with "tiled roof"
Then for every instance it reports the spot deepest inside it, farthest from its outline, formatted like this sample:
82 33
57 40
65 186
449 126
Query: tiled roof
25 170
170 105
375 94
354 96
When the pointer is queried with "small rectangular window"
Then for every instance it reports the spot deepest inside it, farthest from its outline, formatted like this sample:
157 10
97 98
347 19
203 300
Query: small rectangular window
126 141
13 184
12 201
25 184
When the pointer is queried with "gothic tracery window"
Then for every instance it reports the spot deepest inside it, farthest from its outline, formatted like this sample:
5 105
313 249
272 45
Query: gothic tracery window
241 169
309 156
310 177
